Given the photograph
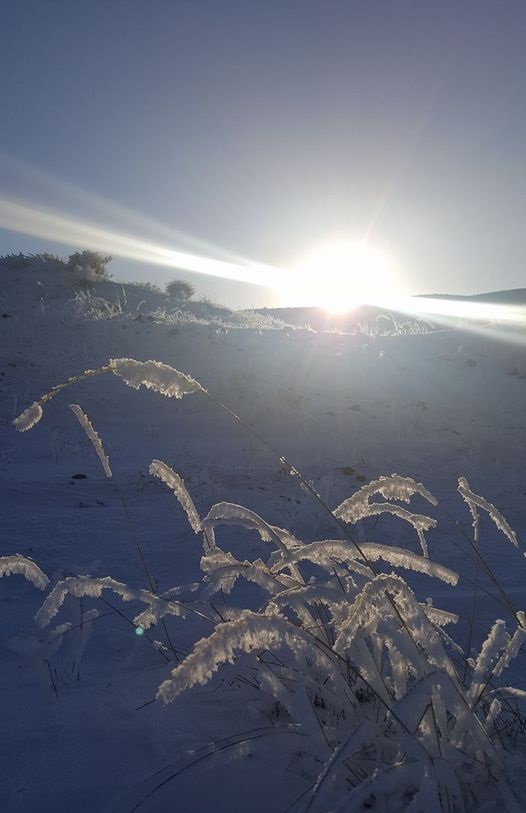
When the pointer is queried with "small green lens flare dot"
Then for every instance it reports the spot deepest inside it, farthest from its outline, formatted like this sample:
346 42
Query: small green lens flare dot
139 631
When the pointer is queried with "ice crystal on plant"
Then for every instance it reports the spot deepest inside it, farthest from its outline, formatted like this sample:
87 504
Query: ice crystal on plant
394 487
324 553
223 570
251 631
80 586
364 670
156 376
170 478
28 418
93 436
16 563
474 499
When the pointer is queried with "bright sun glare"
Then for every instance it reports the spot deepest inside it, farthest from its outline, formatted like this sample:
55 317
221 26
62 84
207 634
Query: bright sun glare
339 275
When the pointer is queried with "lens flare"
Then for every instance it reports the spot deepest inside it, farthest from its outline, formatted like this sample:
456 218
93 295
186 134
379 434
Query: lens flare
335 276
37 222
341 274
496 320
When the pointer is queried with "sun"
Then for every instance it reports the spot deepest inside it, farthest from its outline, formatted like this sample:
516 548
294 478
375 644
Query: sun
340 275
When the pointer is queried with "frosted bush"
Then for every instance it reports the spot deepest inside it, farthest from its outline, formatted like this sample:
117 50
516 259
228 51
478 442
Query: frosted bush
89 306
393 716
88 266
360 665
388 714
179 289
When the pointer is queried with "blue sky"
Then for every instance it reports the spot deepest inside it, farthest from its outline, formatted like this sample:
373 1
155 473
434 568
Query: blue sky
263 127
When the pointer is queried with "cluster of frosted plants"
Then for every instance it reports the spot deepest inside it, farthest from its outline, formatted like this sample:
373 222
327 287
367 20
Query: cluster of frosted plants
385 704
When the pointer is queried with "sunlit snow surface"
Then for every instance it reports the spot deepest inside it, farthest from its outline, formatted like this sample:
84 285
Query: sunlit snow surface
345 409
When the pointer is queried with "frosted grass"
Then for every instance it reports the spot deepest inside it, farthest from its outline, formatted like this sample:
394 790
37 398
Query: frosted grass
17 564
93 437
392 708
29 417
170 478
156 376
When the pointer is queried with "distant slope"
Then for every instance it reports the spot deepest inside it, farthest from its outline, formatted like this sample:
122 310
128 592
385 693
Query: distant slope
513 296
351 322
320 319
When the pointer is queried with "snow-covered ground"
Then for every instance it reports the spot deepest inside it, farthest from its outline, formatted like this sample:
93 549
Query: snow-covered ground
80 733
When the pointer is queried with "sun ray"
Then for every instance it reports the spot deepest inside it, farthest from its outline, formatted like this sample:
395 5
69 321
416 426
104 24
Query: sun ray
26 219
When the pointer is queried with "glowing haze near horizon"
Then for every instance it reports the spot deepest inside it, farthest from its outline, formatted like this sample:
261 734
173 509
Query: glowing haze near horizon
241 143
337 276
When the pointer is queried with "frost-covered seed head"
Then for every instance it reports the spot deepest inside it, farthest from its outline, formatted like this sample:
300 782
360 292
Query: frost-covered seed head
156 376
10 565
29 417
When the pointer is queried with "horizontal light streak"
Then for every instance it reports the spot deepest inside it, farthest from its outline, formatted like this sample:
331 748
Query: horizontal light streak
37 222
30 220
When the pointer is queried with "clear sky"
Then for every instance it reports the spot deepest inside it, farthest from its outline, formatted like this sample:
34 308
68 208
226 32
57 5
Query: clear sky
261 128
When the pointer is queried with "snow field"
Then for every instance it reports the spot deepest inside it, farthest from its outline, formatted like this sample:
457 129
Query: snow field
333 405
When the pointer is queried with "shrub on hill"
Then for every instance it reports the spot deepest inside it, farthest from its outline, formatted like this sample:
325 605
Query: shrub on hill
88 266
14 261
44 260
145 285
179 289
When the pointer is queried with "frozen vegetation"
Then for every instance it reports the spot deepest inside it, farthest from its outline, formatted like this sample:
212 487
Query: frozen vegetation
244 611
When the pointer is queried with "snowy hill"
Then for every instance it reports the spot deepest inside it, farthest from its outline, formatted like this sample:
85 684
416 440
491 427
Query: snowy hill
374 320
343 408
348 398
512 296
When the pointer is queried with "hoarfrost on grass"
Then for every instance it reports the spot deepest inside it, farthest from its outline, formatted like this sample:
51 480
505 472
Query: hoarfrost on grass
80 586
156 376
170 478
251 631
367 671
93 436
392 487
389 595
474 499
17 564
28 418
226 513
325 552
358 506
495 655
223 570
